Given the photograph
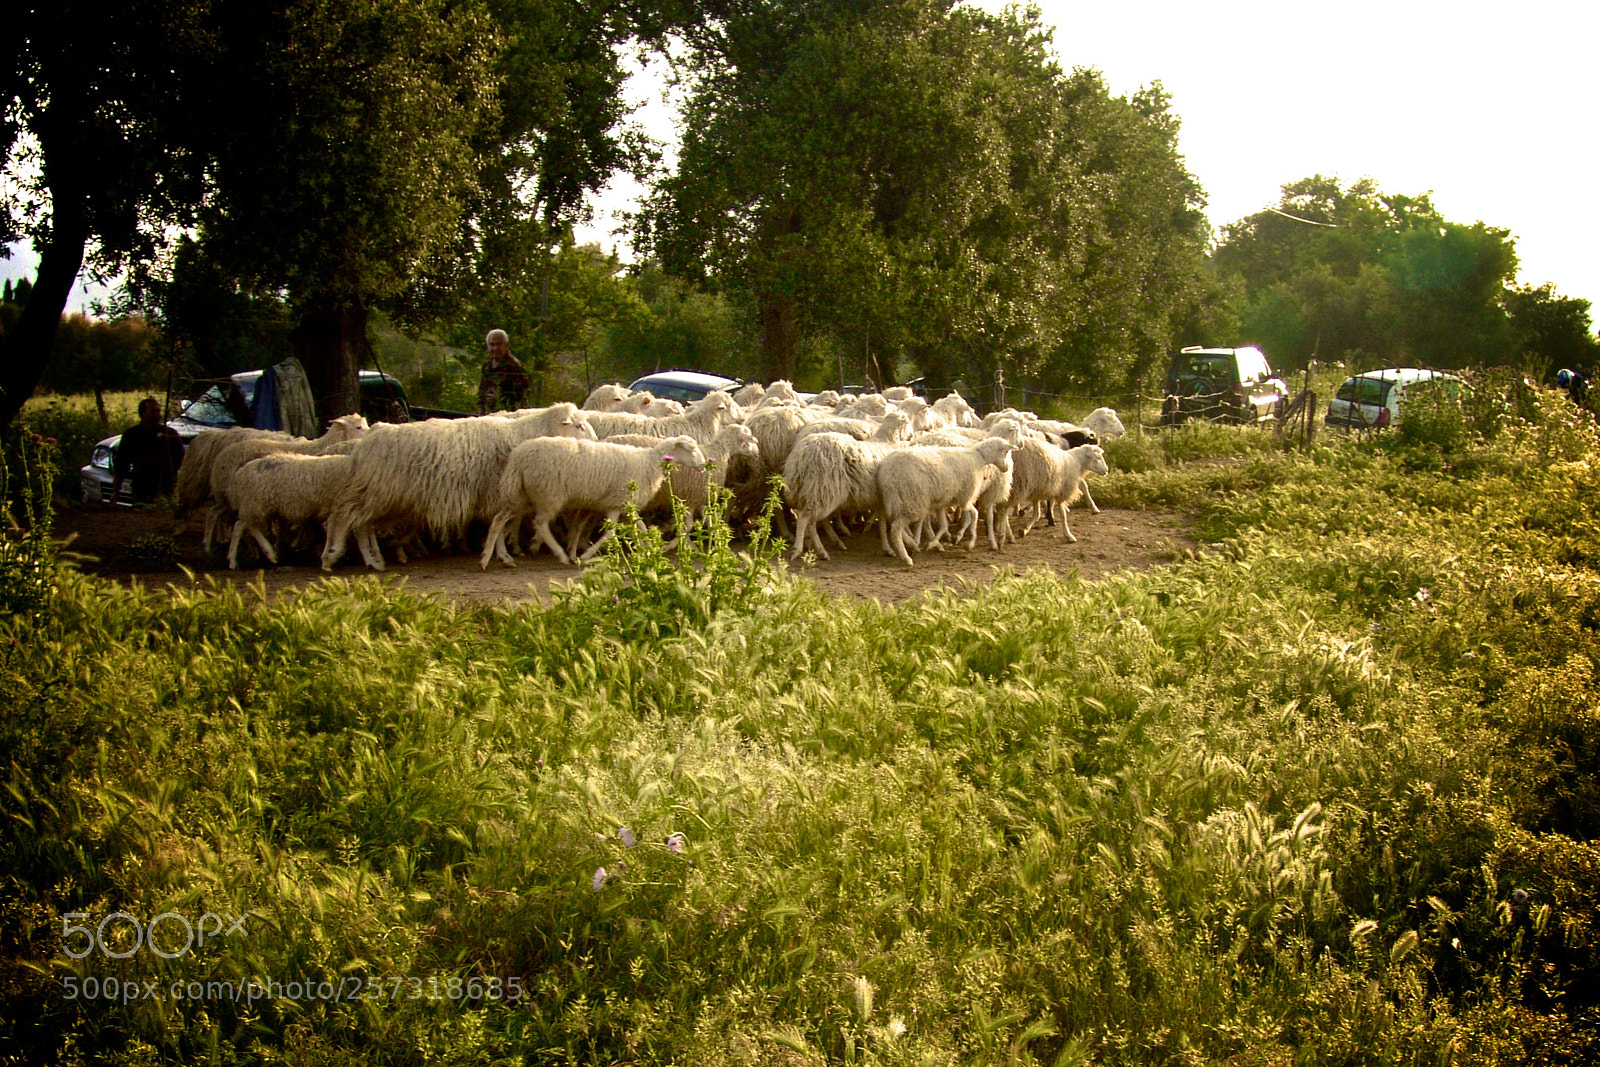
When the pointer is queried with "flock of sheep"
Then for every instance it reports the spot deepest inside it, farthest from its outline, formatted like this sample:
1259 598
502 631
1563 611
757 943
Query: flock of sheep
914 467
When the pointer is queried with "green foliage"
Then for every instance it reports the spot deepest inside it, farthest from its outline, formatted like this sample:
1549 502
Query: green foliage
27 554
153 552
641 592
1358 275
77 425
922 180
1325 791
109 355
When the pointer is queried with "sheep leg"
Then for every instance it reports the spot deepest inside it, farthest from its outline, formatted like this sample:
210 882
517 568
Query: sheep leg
261 541
897 535
816 538
494 543
969 526
1066 534
367 541
1083 485
611 531
213 526
338 534
541 526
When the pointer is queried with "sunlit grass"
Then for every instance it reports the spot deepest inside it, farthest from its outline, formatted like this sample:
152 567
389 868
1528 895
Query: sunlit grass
1324 792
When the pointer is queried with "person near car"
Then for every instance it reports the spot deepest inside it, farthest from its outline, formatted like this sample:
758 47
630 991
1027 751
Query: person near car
148 455
504 383
1576 384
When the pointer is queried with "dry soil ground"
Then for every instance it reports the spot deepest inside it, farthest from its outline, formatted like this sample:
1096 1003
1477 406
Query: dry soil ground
1110 541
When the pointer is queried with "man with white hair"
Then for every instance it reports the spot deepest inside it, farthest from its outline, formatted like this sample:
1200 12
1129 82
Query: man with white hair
504 382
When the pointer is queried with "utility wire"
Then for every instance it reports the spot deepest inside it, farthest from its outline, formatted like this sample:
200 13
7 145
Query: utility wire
1297 218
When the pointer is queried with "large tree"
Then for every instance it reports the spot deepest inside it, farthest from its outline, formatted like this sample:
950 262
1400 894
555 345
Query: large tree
101 149
914 176
1379 279
347 145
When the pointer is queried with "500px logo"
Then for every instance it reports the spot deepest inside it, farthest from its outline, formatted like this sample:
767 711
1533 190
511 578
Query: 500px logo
169 935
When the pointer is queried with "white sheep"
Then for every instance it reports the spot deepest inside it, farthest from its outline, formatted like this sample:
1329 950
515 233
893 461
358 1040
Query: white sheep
955 410
644 402
868 405
287 488
193 489
228 460
692 485
606 397
702 421
826 473
916 483
435 476
1056 477
551 475
749 394
894 426
1104 423
780 390
995 491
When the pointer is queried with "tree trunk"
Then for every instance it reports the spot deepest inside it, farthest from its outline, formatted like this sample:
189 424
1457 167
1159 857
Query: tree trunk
25 351
328 342
778 356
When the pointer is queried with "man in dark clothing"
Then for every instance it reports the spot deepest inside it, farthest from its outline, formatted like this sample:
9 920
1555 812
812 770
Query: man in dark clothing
504 382
150 452
1576 384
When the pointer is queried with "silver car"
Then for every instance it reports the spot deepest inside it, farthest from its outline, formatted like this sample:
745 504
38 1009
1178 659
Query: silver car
221 407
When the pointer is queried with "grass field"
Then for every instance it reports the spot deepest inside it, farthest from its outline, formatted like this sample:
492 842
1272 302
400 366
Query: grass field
1324 793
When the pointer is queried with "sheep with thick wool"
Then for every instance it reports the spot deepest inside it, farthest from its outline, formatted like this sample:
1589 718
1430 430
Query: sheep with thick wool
829 473
435 476
193 488
551 475
606 397
227 461
692 484
995 491
701 421
1056 478
286 488
955 410
644 402
918 483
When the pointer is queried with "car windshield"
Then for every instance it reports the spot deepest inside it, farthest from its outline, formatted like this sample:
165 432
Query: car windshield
209 408
1372 391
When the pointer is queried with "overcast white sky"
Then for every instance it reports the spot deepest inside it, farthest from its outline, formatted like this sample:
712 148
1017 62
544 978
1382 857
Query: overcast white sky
1486 106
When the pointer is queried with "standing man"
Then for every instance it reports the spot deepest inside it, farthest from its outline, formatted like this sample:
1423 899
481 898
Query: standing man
504 382
150 452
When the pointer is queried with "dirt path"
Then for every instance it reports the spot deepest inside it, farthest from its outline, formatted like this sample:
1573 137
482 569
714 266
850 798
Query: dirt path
1111 541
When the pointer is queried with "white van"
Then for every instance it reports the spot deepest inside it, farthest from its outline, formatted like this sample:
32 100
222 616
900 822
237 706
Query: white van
1372 400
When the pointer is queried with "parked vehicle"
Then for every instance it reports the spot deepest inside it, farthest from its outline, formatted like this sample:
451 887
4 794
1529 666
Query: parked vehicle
1373 400
227 403
684 386
1222 384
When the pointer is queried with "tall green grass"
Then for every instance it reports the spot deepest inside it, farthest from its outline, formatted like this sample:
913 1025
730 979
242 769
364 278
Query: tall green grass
1324 793
76 425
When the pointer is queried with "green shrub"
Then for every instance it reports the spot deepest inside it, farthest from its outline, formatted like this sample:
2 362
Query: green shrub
75 423
27 554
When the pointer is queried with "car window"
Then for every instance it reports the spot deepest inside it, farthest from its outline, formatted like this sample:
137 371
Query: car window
1207 366
1365 391
677 392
